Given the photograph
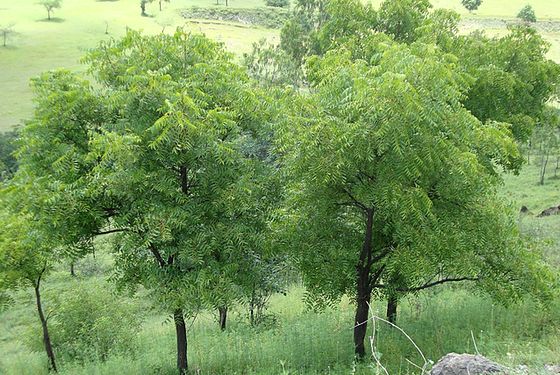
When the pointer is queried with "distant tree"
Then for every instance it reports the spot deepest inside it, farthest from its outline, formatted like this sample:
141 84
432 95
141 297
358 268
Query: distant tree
50 6
527 14
143 6
270 65
7 32
160 3
546 140
471 5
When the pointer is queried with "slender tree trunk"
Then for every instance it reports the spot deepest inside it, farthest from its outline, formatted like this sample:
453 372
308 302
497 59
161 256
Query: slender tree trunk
5 35
544 162
363 292
143 7
46 336
72 272
392 303
252 308
160 5
181 332
223 317
48 14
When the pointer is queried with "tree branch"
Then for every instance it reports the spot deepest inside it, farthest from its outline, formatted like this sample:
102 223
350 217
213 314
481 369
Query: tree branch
117 230
158 256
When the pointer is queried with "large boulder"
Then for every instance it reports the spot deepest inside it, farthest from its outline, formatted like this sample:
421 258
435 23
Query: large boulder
466 364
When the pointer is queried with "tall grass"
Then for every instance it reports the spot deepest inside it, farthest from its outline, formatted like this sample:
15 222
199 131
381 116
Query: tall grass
303 342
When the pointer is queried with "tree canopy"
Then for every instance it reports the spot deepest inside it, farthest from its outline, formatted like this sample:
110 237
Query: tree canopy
164 155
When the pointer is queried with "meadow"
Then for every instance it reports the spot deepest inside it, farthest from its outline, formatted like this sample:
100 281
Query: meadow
296 340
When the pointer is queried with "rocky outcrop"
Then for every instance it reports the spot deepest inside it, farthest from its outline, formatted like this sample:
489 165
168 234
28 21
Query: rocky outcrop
466 364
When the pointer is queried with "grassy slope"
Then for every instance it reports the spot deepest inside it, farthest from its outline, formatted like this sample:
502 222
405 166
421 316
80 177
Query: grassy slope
79 25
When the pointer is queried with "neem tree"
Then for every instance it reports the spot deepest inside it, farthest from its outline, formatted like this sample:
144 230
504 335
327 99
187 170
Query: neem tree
393 182
26 257
160 155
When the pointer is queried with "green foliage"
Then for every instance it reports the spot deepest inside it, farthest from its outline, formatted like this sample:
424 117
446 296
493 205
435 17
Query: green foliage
402 18
527 14
270 65
513 79
278 3
368 140
471 5
92 323
8 163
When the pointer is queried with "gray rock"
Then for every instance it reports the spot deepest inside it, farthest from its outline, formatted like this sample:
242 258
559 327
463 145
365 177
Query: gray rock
465 364
553 369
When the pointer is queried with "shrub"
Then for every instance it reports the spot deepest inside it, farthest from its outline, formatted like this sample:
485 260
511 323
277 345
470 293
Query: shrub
278 3
471 4
91 323
268 17
527 14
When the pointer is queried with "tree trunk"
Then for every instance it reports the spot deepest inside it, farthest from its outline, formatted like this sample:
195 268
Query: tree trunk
181 332
48 14
160 5
544 162
143 7
392 303
363 292
223 317
5 35
360 323
72 272
46 336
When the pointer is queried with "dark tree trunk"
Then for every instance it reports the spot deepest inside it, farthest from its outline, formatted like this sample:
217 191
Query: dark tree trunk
48 14
223 317
363 292
46 336
181 332
360 323
160 5
143 7
72 272
392 303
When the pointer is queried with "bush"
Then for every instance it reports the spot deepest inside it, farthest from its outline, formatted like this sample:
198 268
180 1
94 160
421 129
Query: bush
527 14
278 3
8 163
471 4
91 323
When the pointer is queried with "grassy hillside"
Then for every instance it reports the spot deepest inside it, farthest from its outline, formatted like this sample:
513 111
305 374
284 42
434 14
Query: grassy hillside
80 24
